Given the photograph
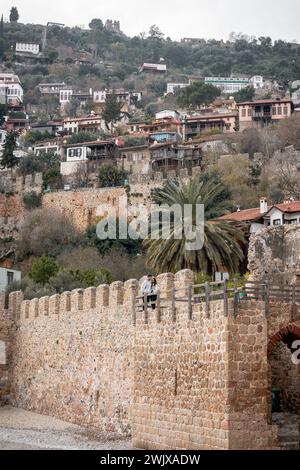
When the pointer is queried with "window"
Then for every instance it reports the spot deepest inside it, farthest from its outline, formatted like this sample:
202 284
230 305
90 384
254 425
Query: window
243 112
273 110
249 112
285 110
279 110
293 222
277 222
10 278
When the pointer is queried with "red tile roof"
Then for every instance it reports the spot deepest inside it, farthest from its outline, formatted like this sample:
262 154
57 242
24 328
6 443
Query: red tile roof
287 207
243 216
286 100
249 215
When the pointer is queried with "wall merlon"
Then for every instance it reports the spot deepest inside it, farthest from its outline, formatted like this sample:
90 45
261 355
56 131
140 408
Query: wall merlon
54 304
102 295
15 302
77 300
34 308
116 293
44 306
183 281
25 309
89 298
131 290
166 283
65 302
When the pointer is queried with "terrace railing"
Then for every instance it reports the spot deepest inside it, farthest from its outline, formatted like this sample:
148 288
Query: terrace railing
210 291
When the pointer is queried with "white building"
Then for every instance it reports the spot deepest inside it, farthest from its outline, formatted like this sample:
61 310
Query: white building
65 96
296 97
235 84
7 277
51 88
3 134
147 67
167 113
2 94
228 84
47 148
99 96
122 96
173 87
11 85
287 213
27 48
257 81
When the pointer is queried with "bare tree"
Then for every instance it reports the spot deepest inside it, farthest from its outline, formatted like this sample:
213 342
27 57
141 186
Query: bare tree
284 170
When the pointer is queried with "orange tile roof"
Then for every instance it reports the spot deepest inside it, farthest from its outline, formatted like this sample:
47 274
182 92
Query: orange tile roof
288 207
249 215
243 216
268 101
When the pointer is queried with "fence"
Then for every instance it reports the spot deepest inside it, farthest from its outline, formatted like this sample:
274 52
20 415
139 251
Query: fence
210 291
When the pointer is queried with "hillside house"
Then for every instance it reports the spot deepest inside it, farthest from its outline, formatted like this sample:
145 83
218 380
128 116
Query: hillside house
91 153
174 156
27 48
51 88
45 148
153 68
16 124
264 112
12 86
135 160
172 88
52 127
206 123
167 113
287 213
8 277
167 124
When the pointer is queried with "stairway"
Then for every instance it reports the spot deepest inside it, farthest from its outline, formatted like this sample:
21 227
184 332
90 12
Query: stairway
288 430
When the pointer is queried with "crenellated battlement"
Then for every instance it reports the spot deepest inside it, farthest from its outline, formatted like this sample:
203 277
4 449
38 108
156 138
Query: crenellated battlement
118 294
21 184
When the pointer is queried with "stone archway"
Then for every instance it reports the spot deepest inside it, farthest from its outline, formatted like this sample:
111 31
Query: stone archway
287 335
284 386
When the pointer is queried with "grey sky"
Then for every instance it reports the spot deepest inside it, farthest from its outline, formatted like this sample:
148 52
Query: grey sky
176 18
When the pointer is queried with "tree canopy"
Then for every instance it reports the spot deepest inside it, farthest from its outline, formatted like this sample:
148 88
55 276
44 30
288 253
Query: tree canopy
8 159
14 15
197 94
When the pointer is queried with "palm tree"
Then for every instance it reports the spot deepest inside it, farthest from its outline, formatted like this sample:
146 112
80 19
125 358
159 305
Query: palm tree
222 240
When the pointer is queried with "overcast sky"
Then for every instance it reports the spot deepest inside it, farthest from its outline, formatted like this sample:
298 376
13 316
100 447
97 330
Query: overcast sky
176 18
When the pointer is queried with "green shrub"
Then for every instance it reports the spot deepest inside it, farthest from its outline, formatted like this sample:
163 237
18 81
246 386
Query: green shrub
32 200
43 270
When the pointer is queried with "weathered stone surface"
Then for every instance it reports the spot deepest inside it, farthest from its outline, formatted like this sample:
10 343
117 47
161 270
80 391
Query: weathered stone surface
274 254
174 381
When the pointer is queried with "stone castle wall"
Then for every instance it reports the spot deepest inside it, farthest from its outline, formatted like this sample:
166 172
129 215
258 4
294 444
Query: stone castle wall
179 380
5 353
21 184
73 356
12 209
202 383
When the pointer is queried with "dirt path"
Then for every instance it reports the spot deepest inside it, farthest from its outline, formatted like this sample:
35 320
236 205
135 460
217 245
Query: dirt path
23 430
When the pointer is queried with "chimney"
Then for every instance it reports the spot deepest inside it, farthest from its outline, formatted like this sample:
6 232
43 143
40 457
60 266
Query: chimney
263 205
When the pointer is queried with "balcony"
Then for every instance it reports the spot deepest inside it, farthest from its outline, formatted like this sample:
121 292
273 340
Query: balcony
262 115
